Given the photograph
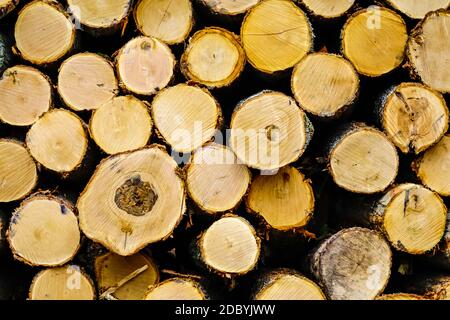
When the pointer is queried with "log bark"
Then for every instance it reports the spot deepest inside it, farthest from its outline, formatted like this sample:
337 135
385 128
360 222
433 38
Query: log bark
327 9
4 223
417 9
413 116
29 90
354 263
169 21
18 171
86 81
63 283
361 159
121 124
186 116
177 289
365 32
269 131
34 42
6 55
289 28
430 286
426 53
215 180
100 18
133 199
400 296
331 75
214 58
44 231
7 6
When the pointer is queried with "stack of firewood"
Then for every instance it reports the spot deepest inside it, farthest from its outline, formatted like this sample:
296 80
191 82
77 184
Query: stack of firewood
217 149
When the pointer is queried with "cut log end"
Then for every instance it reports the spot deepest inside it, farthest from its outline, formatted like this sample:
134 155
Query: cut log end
328 9
414 218
414 117
58 141
186 116
331 75
400 296
285 200
289 29
214 58
229 7
288 285
176 289
230 246
64 283
125 278
417 9
44 231
364 37
18 172
363 161
145 65
169 21
215 180
426 53
28 91
34 40
122 124
433 168
353 264
133 199
269 131
86 81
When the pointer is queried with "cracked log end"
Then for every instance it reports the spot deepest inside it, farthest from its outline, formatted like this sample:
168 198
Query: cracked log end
285 200
176 289
122 124
168 20
418 9
28 90
328 9
86 81
44 231
279 45
145 65
133 199
215 179
364 39
64 283
353 264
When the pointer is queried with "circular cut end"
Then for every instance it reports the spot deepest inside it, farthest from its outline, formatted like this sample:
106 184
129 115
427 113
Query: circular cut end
417 9
127 277
354 264
269 131
65 283
186 116
122 124
44 231
329 8
230 246
287 286
427 54
230 7
86 81
58 141
414 117
276 35
43 32
374 40
364 161
133 199
433 169
168 20
18 173
215 180
145 65
176 289
332 76
99 13
25 95
285 200
400 296
214 58
414 218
